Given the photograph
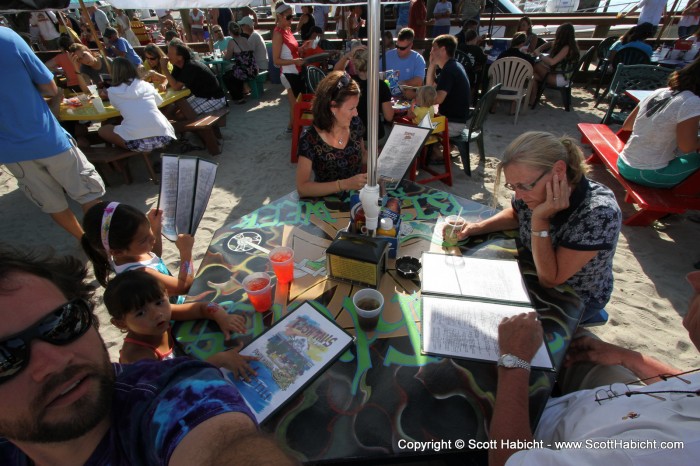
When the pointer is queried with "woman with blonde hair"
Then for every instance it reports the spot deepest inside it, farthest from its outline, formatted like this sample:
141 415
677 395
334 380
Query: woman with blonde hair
569 223
359 57
285 55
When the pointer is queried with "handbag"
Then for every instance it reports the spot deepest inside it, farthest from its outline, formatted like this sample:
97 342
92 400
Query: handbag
244 66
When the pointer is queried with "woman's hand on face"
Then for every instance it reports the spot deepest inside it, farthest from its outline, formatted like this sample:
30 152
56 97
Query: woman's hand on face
164 63
558 193
356 182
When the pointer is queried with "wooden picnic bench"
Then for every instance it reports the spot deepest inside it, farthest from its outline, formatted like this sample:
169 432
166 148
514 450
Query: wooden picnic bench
116 159
653 203
207 127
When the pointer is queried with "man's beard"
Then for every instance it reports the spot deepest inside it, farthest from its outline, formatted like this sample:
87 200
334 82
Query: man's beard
85 415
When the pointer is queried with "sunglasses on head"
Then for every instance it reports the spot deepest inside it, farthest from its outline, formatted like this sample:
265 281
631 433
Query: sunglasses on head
61 326
403 48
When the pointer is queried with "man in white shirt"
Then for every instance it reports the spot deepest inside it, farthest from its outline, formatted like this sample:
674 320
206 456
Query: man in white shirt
651 12
45 21
255 41
610 418
100 19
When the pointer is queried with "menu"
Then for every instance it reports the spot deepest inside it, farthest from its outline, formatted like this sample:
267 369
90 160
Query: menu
185 187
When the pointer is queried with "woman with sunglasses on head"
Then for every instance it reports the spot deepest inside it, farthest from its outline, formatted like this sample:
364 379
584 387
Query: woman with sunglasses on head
569 223
285 55
331 151
151 67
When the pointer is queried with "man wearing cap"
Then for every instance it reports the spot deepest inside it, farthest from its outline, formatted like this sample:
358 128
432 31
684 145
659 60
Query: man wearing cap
255 41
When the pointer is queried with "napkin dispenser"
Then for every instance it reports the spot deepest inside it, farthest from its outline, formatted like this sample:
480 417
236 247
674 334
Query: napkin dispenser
357 259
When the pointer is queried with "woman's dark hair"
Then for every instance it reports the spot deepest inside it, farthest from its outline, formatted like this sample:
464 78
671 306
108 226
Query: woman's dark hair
169 35
234 28
331 92
527 20
154 50
125 223
67 273
470 35
123 71
627 36
518 40
565 35
130 291
687 78
64 41
641 32
181 49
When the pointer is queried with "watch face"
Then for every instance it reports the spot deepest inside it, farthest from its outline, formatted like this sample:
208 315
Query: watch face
508 360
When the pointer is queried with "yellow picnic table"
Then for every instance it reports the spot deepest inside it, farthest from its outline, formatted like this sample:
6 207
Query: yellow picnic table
88 112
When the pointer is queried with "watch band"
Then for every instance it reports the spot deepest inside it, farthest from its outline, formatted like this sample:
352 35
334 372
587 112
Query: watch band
541 234
510 361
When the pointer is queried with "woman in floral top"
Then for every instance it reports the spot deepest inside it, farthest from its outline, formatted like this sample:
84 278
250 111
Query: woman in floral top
331 152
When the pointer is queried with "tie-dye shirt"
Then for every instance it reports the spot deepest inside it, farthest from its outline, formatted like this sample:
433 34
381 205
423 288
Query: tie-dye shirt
156 404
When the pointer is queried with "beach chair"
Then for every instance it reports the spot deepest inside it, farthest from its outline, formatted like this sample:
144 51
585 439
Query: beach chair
475 132
568 69
516 78
602 51
628 56
639 77
314 75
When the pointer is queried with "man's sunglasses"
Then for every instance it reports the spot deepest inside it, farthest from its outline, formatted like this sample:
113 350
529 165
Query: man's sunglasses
403 48
61 326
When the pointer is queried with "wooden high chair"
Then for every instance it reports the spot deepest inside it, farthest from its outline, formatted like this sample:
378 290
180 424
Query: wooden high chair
302 117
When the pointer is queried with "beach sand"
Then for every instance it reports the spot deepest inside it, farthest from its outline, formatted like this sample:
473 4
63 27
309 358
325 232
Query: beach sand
650 294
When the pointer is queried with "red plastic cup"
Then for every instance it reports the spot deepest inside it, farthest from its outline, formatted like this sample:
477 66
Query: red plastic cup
282 260
257 285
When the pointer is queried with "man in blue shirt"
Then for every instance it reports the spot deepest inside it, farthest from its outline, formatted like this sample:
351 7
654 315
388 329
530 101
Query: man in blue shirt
409 63
453 93
120 47
63 402
35 149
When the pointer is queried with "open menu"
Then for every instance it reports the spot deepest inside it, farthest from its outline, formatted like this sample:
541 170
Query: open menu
291 354
463 301
401 147
185 187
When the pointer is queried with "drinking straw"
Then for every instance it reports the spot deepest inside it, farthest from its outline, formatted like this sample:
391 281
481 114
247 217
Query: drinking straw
458 215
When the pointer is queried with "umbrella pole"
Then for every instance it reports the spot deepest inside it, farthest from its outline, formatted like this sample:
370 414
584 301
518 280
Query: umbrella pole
99 43
210 40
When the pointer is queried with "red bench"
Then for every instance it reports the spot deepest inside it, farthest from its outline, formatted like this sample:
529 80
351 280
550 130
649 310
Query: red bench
653 203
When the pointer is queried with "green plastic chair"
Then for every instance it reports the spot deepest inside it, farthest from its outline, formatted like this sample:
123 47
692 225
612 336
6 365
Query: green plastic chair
476 129
568 69
637 77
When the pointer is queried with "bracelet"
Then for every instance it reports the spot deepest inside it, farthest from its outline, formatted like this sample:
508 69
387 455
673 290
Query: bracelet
338 183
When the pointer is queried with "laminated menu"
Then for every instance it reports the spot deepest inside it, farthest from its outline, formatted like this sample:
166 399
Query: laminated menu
185 187
463 301
291 354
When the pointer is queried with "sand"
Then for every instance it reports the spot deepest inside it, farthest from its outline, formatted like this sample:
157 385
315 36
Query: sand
650 294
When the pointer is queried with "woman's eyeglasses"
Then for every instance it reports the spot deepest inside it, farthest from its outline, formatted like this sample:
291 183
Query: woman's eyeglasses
525 187
616 390
151 58
61 326
289 17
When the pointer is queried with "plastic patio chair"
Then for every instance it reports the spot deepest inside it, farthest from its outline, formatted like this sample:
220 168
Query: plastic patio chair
314 75
601 54
302 117
516 78
638 77
476 129
569 69
628 56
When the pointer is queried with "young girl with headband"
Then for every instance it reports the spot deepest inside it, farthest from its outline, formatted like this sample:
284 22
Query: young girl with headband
120 238
138 304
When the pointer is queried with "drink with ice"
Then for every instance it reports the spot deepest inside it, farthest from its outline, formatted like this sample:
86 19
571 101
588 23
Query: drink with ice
257 285
282 260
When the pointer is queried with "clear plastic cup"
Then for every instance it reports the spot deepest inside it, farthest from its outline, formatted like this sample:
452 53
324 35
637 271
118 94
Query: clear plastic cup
98 104
282 260
369 304
259 290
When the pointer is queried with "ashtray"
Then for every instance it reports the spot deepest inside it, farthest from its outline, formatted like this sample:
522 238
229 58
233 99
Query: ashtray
407 266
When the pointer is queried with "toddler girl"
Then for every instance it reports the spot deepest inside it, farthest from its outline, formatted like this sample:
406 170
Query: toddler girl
423 105
138 304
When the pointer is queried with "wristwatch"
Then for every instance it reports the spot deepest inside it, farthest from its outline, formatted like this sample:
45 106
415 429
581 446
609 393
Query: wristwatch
512 362
541 234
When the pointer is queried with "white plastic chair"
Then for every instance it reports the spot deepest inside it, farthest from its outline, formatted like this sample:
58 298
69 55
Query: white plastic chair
516 78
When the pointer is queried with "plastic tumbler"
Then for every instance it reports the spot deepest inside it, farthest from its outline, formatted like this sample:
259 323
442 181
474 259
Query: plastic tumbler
98 105
257 285
453 225
282 260
368 304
